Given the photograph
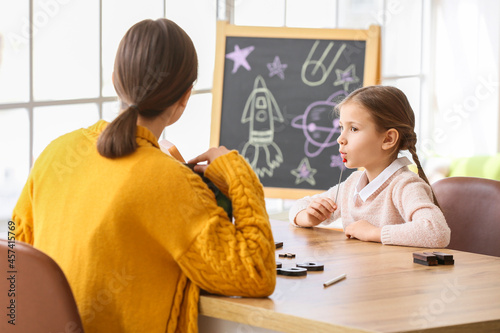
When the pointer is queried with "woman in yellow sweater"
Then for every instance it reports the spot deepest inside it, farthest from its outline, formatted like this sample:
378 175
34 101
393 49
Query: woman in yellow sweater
136 232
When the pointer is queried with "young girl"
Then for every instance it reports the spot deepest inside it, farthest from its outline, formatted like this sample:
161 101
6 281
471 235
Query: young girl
386 202
136 232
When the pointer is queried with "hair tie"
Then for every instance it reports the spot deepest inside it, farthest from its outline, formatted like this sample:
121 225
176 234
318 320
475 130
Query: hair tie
135 107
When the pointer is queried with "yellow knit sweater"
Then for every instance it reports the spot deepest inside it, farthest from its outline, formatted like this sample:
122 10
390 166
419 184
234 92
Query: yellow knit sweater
139 235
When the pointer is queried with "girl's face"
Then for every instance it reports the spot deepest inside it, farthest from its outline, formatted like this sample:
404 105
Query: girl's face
360 142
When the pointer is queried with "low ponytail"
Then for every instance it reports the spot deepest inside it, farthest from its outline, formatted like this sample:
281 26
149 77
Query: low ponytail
155 65
118 138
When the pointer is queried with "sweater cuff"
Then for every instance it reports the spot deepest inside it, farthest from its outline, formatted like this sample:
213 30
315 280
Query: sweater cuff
385 235
223 170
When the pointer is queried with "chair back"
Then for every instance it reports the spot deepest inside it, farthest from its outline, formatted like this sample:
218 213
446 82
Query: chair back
471 207
37 292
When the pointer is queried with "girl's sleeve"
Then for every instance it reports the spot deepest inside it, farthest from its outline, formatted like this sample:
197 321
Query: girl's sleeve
303 203
23 214
425 223
234 259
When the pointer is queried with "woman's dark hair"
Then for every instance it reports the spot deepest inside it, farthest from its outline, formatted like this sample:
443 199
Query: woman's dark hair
156 63
389 108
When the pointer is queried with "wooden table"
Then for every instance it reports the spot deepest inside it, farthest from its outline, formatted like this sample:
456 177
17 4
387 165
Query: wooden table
384 290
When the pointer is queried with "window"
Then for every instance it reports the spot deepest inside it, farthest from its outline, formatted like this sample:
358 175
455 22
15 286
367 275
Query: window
57 78
57 75
466 50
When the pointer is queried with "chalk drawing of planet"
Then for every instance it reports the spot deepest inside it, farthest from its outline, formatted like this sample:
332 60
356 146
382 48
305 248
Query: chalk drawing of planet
318 125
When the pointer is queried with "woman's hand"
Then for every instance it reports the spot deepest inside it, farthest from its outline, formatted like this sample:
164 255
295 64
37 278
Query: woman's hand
318 211
209 156
363 230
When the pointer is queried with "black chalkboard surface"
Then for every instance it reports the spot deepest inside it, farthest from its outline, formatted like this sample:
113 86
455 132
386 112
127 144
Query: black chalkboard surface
274 94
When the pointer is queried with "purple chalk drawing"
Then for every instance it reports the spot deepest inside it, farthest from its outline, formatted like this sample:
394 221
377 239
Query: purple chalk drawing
314 124
336 161
346 77
277 68
304 172
239 56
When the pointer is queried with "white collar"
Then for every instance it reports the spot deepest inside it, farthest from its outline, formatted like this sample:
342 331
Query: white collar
367 189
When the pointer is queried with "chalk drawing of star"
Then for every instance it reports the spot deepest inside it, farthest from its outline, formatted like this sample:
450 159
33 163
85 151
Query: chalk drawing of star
304 172
239 56
346 77
337 162
277 68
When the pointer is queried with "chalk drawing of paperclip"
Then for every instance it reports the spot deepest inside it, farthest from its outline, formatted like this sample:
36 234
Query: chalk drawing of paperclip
261 111
318 64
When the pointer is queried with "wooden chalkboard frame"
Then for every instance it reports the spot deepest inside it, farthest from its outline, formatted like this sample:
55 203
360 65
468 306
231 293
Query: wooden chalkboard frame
371 75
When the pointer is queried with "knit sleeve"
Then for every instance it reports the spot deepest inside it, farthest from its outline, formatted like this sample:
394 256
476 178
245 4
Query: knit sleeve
23 214
234 259
425 224
303 203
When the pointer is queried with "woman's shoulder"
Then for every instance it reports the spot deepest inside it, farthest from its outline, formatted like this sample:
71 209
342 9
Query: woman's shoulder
64 146
159 164
156 172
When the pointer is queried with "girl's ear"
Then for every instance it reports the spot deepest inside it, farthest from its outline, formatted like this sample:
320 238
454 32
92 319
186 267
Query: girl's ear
391 139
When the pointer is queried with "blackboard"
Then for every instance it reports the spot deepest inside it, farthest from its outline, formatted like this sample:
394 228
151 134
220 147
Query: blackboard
273 99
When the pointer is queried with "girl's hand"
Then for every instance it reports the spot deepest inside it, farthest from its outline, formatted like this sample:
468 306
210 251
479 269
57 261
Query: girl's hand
209 156
363 230
318 211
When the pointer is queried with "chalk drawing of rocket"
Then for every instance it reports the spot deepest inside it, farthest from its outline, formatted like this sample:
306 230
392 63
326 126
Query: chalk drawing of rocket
261 110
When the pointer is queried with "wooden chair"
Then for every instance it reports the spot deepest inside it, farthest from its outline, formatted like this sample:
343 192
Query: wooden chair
43 298
472 209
